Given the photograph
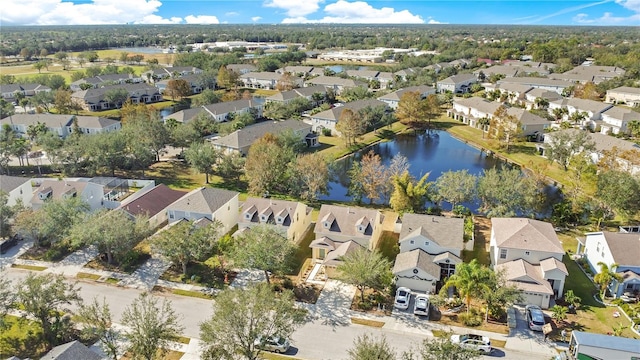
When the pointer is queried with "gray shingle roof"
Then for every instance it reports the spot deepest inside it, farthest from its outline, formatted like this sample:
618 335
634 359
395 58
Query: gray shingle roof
343 220
204 200
186 115
230 106
59 120
525 234
621 113
9 183
606 341
334 80
396 95
74 350
244 137
416 259
447 232
334 113
625 248
626 90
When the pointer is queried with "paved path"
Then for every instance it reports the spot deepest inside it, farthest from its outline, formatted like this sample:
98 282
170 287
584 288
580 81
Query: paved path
10 257
147 275
74 263
246 277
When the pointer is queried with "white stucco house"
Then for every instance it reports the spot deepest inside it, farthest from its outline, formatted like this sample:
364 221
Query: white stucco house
18 189
457 84
206 202
530 255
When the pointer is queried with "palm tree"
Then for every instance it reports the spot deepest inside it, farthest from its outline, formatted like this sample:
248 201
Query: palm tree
605 276
572 299
471 280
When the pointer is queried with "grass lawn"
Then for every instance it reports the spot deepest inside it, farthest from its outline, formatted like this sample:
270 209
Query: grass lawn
20 338
202 273
481 245
168 355
388 245
29 267
83 275
273 356
176 175
335 148
367 322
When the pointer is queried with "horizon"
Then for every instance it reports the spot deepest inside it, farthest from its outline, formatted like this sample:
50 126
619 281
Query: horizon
322 12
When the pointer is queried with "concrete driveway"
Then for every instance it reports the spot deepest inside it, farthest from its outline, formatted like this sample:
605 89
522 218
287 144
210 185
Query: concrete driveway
525 340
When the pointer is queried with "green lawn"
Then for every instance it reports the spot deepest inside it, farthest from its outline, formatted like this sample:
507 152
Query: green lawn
20 338
333 147
388 245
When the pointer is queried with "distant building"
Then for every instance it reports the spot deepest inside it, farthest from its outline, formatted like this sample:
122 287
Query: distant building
624 95
329 118
9 91
97 100
61 125
457 84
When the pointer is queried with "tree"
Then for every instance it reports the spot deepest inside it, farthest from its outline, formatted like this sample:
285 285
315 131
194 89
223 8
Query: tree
605 276
505 192
498 295
456 187
114 241
432 108
6 214
559 113
7 298
64 103
42 99
370 176
145 132
443 349
619 190
470 280
368 348
558 313
230 166
182 135
206 97
504 127
350 126
262 248
563 145
365 269
634 128
97 324
202 157
286 82
178 88
227 78
116 96
152 326
242 315
311 175
46 298
356 93
409 194
572 299
39 66
185 242
267 165
412 110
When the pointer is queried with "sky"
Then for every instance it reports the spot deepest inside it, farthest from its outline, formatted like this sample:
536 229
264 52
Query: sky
523 12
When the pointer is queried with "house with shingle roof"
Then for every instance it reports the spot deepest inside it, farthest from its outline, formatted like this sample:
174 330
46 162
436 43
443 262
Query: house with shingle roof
393 99
297 70
284 97
591 73
152 203
241 68
8 91
242 139
329 118
106 79
337 84
96 99
614 248
624 95
615 120
193 81
340 230
430 248
219 112
457 84
61 124
206 202
73 350
535 93
407 73
90 192
291 219
515 93
18 189
539 83
530 255
265 80
160 73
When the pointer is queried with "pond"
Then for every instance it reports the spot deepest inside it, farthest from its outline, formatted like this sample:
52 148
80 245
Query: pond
432 153
340 68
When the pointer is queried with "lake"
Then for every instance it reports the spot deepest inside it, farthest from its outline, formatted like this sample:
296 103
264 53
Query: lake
435 153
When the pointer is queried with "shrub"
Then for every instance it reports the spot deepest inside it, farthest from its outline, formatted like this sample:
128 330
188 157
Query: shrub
365 305
471 319
287 283
326 132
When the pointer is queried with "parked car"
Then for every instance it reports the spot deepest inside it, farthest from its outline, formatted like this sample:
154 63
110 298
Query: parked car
403 297
273 343
473 342
535 317
421 306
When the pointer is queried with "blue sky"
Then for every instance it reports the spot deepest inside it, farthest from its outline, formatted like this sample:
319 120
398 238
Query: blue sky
545 12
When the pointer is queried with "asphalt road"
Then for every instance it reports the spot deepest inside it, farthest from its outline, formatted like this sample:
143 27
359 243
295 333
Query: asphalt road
316 340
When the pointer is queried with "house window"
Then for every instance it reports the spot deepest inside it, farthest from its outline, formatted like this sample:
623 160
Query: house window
426 243
603 254
503 253
171 216
321 254
527 253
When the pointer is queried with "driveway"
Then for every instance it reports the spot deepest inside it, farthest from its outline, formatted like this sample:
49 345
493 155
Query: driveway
8 258
525 340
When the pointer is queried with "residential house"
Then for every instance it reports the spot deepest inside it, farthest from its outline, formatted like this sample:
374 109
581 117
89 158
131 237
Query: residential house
89 192
311 93
242 68
615 120
329 118
437 68
530 255
457 84
160 73
61 124
530 124
430 249
265 80
219 112
384 78
296 70
393 99
612 248
337 84
290 218
584 345
624 95
507 71
9 91
532 95
241 140
471 110
340 230
73 350
206 202
152 203
18 189
590 73
104 80
603 144
539 83
407 73
513 93
96 99
192 80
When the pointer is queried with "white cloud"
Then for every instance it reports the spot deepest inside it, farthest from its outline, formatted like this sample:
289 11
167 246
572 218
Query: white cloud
360 12
201 19
633 5
256 18
433 21
232 13
607 19
61 12
295 8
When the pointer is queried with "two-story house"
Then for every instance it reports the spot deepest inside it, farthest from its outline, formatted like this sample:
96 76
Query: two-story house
612 248
291 219
329 118
9 91
530 255
316 94
624 95
337 84
98 99
616 119
554 85
457 84
151 202
340 230
18 189
393 99
219 112
104 80
90 192
61 124
430 249
206 203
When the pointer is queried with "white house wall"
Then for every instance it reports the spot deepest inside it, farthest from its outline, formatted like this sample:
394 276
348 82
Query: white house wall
22 194
595 253
533 258
431 248
228 214
415 282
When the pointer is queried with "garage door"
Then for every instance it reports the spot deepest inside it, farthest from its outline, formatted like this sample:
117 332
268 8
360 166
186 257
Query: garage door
414 284
532 298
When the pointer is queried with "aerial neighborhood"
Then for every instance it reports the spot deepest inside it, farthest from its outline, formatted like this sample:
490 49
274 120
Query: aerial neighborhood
472 189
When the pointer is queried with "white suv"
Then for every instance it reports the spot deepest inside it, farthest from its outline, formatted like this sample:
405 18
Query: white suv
403 297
